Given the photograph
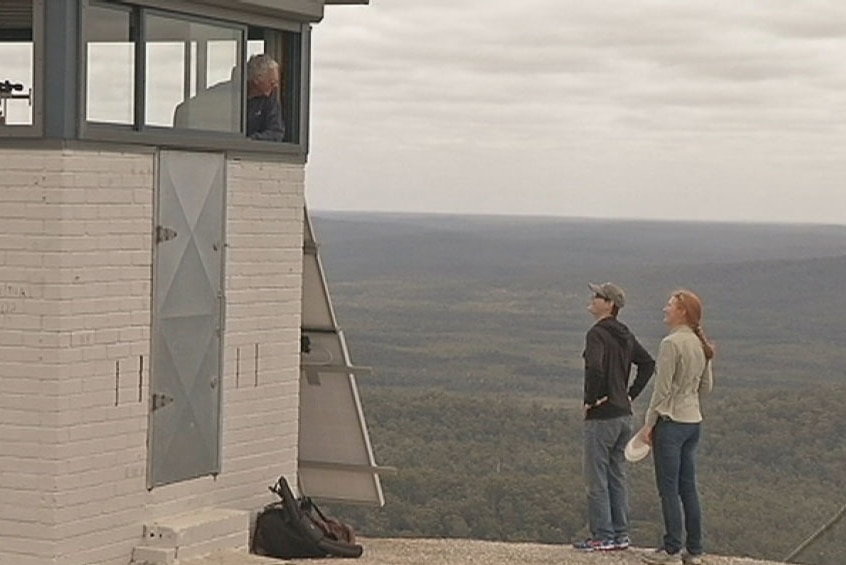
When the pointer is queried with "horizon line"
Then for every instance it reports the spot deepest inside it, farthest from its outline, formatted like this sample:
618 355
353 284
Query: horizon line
782 222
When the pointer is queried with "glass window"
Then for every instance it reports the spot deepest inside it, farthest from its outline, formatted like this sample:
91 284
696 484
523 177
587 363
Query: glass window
151 69
284 48
110 51
194 74
16 62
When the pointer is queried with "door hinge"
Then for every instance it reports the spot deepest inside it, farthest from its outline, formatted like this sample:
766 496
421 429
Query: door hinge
160 401
164 234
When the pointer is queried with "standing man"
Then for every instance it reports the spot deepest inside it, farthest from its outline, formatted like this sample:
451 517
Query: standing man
610 351
264 108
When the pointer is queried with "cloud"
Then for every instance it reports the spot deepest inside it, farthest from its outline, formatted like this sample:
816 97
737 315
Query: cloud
504 107
500 53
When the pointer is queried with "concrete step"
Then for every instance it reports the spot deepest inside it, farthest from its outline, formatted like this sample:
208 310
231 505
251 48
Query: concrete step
168 541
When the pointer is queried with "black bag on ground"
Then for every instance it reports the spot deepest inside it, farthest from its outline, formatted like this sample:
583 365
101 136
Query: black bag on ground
295 527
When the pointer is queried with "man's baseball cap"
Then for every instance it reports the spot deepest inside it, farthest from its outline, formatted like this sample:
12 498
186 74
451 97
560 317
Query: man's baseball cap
609 291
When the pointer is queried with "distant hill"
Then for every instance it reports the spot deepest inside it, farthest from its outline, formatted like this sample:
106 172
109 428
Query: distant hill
388 244
513 291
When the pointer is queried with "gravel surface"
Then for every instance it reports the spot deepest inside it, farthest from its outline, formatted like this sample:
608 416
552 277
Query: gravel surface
464 552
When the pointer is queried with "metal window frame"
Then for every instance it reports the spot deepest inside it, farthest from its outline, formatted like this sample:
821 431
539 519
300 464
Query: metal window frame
305 87
139 133
36 128
217 13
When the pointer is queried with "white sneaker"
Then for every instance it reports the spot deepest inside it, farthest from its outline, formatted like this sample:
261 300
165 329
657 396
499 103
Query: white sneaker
689 559
661 557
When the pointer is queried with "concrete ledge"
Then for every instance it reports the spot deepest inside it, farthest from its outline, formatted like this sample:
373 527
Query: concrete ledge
153 556
237 541
186 536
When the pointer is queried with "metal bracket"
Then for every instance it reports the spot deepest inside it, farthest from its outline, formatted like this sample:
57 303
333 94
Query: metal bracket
160 401
164 234
312 371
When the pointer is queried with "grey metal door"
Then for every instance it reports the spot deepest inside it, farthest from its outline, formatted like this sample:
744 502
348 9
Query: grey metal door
185 387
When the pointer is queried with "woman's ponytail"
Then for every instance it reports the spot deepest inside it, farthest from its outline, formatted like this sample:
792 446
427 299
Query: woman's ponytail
707 346
692 306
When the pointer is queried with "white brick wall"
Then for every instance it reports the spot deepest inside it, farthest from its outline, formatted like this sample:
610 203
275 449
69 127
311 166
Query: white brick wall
75 284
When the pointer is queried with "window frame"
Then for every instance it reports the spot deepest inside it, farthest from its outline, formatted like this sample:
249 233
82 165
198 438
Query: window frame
36 128
139 133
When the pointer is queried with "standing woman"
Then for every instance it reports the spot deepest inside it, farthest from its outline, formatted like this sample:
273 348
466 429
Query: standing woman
673 423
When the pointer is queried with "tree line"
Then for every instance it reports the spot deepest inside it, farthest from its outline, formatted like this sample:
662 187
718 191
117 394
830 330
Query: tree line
496 467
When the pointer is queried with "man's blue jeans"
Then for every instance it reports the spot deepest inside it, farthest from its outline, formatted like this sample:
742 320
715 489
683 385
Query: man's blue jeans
605 471
674 452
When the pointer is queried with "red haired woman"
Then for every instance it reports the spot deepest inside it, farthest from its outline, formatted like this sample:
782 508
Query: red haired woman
673 423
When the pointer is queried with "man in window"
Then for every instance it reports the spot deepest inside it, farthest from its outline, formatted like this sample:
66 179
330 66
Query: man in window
264 108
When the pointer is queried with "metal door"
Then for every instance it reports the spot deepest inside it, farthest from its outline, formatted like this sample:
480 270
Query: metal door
185 381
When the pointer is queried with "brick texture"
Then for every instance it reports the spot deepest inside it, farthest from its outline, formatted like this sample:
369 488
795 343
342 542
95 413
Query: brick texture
75 294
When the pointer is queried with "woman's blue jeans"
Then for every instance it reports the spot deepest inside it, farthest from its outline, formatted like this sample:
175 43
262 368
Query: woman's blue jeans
674 452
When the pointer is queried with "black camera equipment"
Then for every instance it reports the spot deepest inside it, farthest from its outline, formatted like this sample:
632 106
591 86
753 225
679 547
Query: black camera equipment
7 87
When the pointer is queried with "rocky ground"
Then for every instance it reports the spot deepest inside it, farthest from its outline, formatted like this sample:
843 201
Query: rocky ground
466 552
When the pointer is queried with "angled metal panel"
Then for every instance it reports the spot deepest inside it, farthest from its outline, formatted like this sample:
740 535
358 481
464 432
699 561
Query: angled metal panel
187 304
317 313
336 459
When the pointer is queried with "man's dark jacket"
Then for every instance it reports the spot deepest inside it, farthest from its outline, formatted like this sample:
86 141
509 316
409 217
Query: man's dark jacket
264 118
610 351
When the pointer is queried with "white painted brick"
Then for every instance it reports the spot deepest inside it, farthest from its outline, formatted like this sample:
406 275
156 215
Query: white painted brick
83 463
21 529
28 513
92 257
11 338
142 348
25 434
19 548
95 549
20 386
12 499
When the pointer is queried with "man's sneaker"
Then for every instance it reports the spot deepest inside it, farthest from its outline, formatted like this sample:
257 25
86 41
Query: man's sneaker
622 542
689 559
595 545
661 557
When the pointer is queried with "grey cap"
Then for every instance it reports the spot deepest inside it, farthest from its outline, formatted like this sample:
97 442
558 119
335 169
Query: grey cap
609 291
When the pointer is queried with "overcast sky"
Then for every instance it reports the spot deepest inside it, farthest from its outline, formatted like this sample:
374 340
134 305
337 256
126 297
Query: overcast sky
707 110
